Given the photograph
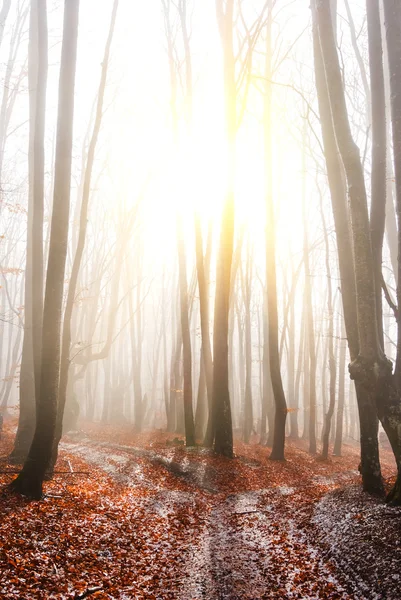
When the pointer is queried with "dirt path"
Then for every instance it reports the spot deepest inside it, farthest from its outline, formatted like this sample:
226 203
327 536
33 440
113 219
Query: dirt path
141 518
251 544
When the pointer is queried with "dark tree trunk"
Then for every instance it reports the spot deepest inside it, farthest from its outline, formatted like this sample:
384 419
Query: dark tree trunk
29 481
378 178
309 314
390 411
200 413
280 415
39 29
335 130
341 399
72 286
223 433
186 341
330 343
248 407
203 269
31 350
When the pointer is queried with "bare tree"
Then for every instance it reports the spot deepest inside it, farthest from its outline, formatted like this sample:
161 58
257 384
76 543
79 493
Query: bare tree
30 480
280 417
370 466
66 334
223 435
186 340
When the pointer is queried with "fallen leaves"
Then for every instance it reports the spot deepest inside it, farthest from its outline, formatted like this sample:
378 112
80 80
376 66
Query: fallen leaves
133 528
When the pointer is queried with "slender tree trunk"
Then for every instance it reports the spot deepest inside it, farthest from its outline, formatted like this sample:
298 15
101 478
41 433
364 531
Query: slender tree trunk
309 315
31 350
378 178
341 397
330 344
201 413
223 434
248 407
390 411
280 416
294 412
39 29
202 269
186 341
72 286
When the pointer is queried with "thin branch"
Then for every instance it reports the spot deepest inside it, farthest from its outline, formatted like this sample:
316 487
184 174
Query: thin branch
390 301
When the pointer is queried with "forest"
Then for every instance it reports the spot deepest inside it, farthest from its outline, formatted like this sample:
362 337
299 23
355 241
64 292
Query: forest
200 292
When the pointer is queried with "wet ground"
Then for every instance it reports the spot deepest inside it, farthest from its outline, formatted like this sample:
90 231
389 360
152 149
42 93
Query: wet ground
140 516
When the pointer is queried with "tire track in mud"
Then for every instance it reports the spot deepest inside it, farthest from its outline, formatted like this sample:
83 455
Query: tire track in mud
251 544
249 550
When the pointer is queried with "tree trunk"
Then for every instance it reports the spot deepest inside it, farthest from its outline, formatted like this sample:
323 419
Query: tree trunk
223 434
29 481
389 408
248 408
358 294
280 415
330 343
72 286
186 340
309 313
202 269
378 177
31 350
341 398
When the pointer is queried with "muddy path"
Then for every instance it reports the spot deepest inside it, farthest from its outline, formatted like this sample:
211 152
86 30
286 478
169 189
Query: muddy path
251 544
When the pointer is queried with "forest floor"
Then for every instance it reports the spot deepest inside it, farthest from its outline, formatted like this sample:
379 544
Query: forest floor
133 516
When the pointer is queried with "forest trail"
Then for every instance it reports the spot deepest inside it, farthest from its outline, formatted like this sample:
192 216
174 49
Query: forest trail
141 518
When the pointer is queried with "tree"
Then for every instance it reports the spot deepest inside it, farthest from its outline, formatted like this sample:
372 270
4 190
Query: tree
370 368
186 340
378 177
66 333
390 414
203 271
370 466
330 342
29 482
309 313
280 415
31 348
246 292
223 435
